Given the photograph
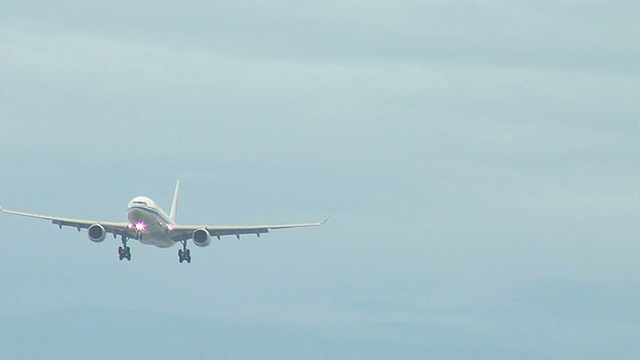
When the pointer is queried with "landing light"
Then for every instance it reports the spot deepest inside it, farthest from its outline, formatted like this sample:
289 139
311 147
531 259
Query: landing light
170 227
141 226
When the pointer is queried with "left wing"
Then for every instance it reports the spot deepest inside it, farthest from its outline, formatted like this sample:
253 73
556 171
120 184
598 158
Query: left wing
184 232
115 228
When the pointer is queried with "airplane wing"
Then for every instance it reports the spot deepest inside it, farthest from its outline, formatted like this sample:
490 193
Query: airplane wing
184 232
115 228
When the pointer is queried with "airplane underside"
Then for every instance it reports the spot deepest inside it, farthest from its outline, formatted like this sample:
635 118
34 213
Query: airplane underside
162 242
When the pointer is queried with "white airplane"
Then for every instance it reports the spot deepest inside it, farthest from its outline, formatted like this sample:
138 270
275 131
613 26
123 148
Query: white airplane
150 225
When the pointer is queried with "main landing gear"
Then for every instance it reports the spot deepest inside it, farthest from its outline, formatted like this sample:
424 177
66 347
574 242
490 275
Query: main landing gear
184 254
124 252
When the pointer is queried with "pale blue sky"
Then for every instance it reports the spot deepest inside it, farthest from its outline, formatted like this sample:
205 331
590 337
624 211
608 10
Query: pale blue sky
480 162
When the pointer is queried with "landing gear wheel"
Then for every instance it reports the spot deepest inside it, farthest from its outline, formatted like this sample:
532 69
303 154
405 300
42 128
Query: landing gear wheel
124 252
184 254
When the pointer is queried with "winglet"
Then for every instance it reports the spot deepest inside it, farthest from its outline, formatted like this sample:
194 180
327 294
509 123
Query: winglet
325 220
174 206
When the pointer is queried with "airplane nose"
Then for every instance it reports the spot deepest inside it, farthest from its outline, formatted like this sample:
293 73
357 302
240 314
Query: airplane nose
134 215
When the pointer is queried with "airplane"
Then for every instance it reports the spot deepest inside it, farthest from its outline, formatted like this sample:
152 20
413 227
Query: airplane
150 225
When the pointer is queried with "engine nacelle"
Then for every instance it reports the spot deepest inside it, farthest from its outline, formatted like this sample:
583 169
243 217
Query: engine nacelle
201 237
96 233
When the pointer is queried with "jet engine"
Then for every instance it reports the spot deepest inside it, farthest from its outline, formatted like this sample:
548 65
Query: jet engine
96 233
201 237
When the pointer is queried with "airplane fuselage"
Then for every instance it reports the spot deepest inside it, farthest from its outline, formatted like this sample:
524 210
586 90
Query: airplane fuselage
151 223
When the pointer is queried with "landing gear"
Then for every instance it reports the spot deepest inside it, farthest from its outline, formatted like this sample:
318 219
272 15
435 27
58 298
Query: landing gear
184 254
124 252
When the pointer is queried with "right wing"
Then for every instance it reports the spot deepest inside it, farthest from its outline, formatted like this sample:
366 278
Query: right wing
115 228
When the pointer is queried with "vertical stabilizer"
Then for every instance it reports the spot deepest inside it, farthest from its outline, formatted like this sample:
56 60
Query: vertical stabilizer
174 206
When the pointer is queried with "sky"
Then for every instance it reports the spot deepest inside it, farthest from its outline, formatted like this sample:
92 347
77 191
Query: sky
479 162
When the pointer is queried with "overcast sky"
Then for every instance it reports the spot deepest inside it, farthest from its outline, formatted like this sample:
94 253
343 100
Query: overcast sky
479 161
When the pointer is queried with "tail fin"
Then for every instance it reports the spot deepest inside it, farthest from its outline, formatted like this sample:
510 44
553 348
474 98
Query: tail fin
174 206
